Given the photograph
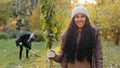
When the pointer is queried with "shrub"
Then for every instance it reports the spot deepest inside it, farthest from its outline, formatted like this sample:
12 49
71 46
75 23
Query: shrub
3 35
12 34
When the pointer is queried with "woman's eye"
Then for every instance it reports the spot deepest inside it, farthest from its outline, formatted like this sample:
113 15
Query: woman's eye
76 16
82 16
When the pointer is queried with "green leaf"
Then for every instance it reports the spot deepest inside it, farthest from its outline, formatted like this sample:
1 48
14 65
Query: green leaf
54 30
43 26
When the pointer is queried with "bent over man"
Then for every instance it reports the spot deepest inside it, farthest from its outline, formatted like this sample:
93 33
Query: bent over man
25 40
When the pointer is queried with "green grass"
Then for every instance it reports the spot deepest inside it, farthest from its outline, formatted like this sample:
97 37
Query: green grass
9 55
111 55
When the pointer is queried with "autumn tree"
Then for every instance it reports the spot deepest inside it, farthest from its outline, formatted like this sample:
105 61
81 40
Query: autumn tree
106 17
51 16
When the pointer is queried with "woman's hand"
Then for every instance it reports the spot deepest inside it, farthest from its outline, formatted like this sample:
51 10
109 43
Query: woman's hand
51 54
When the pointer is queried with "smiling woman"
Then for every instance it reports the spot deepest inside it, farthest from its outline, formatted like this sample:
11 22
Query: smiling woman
80 44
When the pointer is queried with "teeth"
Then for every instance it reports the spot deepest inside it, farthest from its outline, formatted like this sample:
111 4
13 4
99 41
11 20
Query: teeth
80 23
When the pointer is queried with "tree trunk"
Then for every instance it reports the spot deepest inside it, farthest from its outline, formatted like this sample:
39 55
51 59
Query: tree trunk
117 39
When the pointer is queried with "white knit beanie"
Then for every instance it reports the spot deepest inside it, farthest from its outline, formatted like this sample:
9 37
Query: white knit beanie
79 9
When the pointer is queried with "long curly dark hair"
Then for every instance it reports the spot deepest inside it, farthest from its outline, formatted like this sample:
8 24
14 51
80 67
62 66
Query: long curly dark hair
71 50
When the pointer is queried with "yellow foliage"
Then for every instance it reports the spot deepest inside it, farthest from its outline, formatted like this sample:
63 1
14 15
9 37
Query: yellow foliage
14 23
35 22
57 49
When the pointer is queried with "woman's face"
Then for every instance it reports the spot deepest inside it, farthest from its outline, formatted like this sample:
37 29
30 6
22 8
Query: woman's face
80 20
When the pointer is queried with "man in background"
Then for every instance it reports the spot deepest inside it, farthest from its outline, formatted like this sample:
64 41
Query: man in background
25 40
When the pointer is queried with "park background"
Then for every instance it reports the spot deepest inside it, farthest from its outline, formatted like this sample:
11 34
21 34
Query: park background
49 19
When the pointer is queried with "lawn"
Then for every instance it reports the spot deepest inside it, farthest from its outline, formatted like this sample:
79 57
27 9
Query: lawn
9 55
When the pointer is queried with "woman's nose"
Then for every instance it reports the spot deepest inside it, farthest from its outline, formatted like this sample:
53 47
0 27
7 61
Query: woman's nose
79 19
